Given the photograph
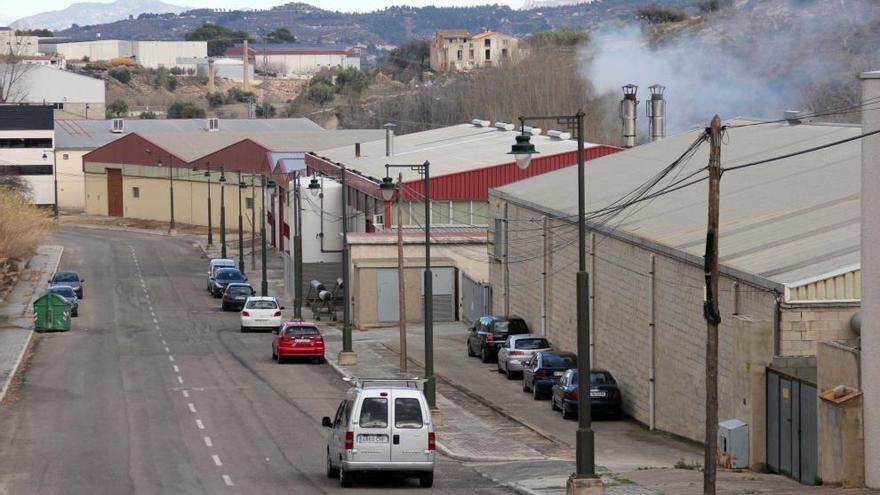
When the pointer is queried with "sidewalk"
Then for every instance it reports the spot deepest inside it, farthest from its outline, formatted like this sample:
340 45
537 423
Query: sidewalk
16 320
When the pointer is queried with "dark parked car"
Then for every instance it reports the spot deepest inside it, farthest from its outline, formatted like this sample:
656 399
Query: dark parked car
70 279
489 333
235 295
224 277
544 369
604 394
69 295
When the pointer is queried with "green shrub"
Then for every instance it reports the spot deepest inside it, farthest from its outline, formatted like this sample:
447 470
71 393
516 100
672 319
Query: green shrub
216 99
266 110
177 71
234 95
659 14
351 80
121 74
320 93
117 107
171 84
148 115
185 110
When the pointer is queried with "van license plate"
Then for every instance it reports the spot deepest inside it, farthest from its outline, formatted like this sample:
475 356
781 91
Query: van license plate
558 373
372 438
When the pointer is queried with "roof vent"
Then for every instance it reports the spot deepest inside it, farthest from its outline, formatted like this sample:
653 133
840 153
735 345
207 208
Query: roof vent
534 131
557 134
213 124
118 126
793 117
504 126
481 123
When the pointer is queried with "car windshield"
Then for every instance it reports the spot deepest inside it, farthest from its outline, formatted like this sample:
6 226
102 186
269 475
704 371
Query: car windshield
66 277
559 361
532 344
261 304
302 331
374 413
240 291
228 274
511 326
601 378
62 291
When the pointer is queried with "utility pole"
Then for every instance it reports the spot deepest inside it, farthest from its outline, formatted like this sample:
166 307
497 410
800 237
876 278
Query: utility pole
401 280
710 309
253 224
297 249
241 185
222 181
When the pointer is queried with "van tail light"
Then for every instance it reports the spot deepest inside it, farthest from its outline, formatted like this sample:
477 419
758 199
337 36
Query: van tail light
277 313
349 440
245 313
617 394
517 353
432 441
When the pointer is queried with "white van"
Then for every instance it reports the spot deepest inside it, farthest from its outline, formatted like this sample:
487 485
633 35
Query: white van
382 425
215 265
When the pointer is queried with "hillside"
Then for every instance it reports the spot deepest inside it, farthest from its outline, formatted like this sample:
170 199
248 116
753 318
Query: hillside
93 13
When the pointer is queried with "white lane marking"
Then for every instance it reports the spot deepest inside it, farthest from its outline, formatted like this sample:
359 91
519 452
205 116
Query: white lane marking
179 379
176 369
155 320
167 349
200 424
216 459
227 480
185 393
163 342
208 442
153 314
192 407
171 358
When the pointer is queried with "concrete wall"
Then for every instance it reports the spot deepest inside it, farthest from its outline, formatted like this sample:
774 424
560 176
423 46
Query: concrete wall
95 50
841 440
71 180
153 203
540 287
803 326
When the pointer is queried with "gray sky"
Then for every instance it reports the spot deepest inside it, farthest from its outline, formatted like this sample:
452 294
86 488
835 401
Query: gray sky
15 10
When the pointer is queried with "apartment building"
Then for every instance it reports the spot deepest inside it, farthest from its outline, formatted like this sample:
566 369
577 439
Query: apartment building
457 49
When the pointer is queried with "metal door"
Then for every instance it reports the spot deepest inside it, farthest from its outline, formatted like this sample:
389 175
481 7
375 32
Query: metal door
409 434
114 192
475 298
792 429
387 295
444 293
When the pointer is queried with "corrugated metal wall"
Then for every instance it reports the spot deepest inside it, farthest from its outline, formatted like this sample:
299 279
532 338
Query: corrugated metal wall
843 286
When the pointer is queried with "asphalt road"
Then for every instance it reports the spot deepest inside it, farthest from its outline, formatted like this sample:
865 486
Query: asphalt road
155 391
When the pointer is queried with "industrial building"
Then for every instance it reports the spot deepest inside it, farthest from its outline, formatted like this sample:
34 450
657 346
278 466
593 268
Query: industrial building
75 138
466 161
458 50
26 142
291 59
149 54
71 95
15 44
790 266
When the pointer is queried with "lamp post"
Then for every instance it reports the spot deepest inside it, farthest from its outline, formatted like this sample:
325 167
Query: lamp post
171 188
241 186
210 230
264 184
253 223
584 479
222 181
55 181
347 356
297 249
387 187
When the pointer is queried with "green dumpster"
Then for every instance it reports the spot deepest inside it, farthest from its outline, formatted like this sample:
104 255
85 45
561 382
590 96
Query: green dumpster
51 313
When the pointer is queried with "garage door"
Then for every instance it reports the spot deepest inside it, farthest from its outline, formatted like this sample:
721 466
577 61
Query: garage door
444 293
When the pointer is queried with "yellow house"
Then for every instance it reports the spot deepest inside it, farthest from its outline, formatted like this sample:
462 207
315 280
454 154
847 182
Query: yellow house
456 50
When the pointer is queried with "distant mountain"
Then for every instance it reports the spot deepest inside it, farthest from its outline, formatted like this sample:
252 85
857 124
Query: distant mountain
536 4
91 13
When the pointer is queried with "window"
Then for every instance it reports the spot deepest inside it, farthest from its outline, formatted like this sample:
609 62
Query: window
26 169
504 53
249 203
504 42
487 42
471 54
65 156
135 192
488 54
532 344
374 413
26 143
459 55
559 361
407 413
262 305
58 106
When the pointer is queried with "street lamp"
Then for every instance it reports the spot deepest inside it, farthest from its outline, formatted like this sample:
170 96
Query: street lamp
387 188
347 356
264 286
210 230
241 187
584 479
222 181
55 180
171 187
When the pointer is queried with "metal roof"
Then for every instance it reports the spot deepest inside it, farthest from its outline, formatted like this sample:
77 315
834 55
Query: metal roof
335 139
781 222
452 149
91 134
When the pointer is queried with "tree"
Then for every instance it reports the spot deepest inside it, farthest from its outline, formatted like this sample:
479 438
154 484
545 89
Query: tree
216 99
320 93
117 107
43 33
563 37
121 74
351 80
185 110
409 60
280 35
660 14
266 110
13 74
218 37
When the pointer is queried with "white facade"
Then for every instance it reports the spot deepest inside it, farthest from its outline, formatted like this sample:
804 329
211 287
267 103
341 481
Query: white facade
26 46
319 215
150 54
73 93
306 63
34 164
94 50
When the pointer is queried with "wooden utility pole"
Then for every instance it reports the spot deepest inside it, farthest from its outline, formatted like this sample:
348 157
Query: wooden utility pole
710 309
401 280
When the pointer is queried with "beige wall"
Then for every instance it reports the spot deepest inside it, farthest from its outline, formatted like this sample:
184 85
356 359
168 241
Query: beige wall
153 203
841 443
803 326
71 180
541 282
444 54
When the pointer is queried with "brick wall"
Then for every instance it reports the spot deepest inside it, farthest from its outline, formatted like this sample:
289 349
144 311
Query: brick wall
542 263
803 326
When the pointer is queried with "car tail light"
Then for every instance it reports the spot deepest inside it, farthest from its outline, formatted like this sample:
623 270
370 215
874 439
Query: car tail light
277 313
572 395
245 313
517 353
490 338
617 394
349 440
432 441
542 372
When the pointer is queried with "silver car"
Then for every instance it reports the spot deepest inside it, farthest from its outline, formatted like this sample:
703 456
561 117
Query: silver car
516 350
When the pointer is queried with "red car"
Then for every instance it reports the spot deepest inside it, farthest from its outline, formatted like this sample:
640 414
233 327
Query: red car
298 339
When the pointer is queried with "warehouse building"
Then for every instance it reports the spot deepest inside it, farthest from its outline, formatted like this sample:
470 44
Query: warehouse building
72 95
26 141
16 44
150 54
291 59
789 253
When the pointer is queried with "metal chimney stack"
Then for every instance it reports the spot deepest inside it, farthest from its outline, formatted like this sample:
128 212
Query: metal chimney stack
628 106
389 139
656 112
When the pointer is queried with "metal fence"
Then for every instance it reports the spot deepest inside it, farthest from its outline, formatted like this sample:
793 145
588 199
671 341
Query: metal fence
476 299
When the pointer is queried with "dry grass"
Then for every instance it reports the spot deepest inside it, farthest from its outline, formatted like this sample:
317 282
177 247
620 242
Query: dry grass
23 226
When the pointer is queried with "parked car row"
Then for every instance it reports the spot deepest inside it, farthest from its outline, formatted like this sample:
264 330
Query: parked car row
544 371
68 285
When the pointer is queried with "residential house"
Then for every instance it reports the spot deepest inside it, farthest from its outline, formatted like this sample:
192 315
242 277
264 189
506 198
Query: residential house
456 50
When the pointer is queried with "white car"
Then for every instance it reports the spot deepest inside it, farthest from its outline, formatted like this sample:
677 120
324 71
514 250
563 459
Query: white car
261 313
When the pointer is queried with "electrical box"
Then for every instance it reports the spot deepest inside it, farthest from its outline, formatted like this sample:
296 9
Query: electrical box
733 444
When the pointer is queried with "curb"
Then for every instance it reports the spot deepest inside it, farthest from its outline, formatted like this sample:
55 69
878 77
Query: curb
15 367
134 230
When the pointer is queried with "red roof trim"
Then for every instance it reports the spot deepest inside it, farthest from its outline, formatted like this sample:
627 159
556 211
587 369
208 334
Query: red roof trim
231 157
131 150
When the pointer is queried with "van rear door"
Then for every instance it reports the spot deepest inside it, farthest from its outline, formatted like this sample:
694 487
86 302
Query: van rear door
372 433
409 432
